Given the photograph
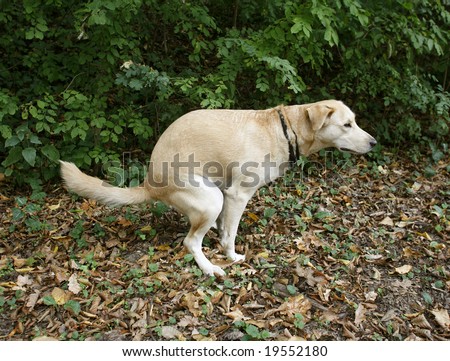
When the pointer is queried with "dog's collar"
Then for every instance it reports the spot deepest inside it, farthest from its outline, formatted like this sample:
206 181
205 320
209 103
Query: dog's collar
294 153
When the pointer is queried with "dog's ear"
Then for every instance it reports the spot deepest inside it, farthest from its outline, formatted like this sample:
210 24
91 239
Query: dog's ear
318 114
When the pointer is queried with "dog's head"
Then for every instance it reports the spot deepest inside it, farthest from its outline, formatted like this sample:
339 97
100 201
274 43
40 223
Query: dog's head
333 125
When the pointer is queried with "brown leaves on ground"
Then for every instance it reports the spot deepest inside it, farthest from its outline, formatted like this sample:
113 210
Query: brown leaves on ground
358 252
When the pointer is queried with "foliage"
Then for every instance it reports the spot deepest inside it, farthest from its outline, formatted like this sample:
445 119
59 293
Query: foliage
87 81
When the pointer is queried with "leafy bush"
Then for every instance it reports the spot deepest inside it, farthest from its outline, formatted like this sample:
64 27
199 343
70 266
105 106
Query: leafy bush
88 81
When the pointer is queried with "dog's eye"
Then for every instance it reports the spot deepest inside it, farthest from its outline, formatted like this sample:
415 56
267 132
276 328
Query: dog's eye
348 125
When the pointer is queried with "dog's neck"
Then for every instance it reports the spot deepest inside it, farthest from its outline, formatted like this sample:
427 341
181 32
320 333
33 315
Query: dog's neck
294 151
297 118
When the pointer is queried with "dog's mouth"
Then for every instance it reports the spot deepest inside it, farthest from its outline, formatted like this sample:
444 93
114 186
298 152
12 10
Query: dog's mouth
348 150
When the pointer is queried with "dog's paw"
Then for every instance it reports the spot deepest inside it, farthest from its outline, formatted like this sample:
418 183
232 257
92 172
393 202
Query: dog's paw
236 257
213 271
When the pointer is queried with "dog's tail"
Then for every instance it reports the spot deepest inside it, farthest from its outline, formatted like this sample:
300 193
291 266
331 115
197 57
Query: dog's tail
94 188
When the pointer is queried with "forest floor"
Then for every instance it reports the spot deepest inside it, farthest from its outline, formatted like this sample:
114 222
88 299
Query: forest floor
352 248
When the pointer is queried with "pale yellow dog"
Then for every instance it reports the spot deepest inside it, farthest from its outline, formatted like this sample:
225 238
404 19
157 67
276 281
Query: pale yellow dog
209 163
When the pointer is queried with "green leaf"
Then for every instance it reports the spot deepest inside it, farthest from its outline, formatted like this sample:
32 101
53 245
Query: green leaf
5 131
38 34
21 201
323 214
301 25
291 289
41 104
296 28
11 142
29 34
78 132
269 212
34 139
51 152
49 300
427 298
252 331
29 154
429 171
33 111
331 36
42 27
188 258
28 6
136 84
73 306
98 17
15 154
17 214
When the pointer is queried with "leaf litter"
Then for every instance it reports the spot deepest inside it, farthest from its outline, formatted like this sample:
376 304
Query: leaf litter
359 254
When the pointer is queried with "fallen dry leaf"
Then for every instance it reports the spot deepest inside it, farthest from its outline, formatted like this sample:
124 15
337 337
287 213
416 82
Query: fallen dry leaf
324 292
330 316
421 321
162 276
413 337
294 305
257 323
187 321
54 207
376 274
252 216
170 332
408 252
360 314
442 318
192 303
387 222
74 286
371 296
23 281
32 299
389 315
405 284
349 334
95 304
403 269
236 314
312 276
60 296
19 262
45 338
124 222
8 284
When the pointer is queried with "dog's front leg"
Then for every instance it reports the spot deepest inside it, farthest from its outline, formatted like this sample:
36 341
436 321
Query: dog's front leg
235 201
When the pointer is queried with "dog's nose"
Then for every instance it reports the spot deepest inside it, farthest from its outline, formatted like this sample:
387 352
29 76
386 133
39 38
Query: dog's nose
373 142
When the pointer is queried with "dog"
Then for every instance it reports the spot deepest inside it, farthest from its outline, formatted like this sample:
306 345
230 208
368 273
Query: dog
209 163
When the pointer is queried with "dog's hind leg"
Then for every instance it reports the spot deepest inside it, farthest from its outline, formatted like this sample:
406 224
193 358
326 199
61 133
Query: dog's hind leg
202 205
235 201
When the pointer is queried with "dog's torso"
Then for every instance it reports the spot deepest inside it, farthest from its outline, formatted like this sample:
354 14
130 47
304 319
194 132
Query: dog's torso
223 147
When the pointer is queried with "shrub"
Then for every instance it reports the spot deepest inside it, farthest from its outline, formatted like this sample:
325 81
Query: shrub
88 81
